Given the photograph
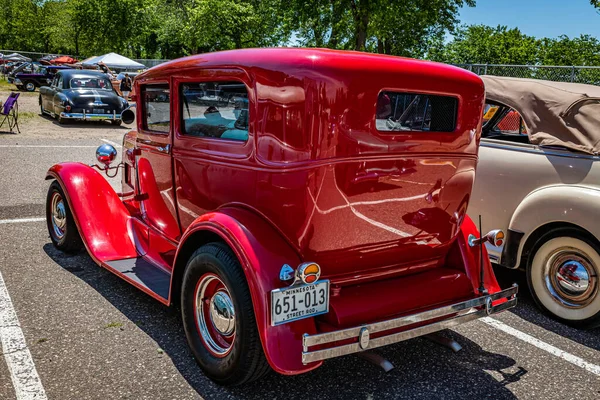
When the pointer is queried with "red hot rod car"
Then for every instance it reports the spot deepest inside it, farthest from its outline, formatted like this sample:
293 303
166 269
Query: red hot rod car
299 204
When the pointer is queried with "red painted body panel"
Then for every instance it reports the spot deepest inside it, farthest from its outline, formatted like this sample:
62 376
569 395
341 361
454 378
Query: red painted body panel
315 181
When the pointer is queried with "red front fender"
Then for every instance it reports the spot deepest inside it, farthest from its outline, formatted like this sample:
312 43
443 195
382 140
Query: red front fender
101 217
262 252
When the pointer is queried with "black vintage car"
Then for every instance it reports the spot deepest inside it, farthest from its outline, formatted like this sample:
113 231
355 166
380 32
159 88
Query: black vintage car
83 95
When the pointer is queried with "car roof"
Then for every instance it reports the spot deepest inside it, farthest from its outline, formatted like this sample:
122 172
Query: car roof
556 113
286 62
81 73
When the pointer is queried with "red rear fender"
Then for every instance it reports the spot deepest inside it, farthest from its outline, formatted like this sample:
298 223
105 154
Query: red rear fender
101 217
262 252
462 256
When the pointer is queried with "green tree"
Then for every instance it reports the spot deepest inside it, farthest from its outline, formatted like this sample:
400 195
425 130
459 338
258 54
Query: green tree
583 50
480 44
383 26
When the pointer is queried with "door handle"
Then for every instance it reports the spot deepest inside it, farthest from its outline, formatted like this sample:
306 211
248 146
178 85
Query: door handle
166 149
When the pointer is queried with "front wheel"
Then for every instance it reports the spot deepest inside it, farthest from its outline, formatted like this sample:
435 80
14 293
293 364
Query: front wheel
562 274
218 317
30 86
61 224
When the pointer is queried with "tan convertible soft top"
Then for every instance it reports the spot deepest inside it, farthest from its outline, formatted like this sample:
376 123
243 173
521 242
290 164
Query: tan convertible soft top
555 113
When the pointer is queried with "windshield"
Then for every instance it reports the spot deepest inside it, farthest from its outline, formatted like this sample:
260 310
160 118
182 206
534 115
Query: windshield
90 83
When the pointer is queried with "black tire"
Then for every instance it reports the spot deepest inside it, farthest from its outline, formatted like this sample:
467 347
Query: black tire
575 240
69 241
245 360
116 122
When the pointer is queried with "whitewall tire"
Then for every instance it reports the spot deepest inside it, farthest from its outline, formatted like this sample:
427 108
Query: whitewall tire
563 277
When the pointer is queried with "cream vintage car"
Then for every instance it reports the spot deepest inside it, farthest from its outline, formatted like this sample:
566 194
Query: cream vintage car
538 179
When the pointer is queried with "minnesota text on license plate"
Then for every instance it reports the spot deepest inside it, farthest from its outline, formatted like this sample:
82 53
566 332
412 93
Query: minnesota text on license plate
297 302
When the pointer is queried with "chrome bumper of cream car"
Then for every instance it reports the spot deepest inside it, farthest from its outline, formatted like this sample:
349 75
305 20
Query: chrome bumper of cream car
453 315
90 116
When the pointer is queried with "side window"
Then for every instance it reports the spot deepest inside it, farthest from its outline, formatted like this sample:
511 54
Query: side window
398 111
511 124
507 124
215 110
156 108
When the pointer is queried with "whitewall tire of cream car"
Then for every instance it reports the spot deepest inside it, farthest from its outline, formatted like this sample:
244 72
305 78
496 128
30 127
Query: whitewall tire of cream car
563 277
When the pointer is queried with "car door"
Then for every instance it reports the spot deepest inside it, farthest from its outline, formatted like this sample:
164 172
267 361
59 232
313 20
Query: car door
56 91
48 93
213 141
509 168
154 167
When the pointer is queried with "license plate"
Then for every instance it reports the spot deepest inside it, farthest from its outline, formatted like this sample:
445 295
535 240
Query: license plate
299 302
97 111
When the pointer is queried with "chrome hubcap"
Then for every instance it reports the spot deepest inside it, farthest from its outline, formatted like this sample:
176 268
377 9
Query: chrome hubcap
570 277
30 86
222 313
59 216
215 315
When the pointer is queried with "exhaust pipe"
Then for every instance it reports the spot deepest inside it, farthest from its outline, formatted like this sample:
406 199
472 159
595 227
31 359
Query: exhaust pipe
128 116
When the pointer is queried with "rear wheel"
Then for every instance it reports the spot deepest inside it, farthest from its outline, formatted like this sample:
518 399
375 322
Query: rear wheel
61 224
563 273
219 319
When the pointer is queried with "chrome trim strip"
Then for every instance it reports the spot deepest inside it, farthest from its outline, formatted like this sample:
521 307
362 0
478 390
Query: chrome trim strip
534 149
88 116
466 312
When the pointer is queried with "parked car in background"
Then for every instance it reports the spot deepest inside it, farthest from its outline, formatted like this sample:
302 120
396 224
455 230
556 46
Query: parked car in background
243 171
538 178
81 95
42 76
12 68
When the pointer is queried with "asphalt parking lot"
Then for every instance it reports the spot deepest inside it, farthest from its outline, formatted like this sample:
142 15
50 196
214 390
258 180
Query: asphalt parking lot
93 336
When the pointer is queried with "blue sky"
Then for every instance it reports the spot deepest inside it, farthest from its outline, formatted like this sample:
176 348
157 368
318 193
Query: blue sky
540 18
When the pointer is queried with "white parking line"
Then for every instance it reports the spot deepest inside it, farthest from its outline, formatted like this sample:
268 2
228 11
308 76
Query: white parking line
25 378
20 220
111 142
593 368
43 146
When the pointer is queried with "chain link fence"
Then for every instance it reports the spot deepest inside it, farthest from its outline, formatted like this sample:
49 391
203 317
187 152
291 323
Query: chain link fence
589 75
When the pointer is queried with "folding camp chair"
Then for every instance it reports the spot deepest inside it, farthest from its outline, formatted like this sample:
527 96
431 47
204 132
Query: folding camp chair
10 110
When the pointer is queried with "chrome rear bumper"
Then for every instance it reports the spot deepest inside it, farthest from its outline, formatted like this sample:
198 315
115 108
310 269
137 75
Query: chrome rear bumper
456 314
91 117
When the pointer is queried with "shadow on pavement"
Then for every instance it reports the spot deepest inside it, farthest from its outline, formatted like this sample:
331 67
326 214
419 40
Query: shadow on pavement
528 310
423 370
82 124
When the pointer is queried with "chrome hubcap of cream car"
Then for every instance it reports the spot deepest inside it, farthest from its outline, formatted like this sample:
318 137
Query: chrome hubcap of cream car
215 315
59 216
570 278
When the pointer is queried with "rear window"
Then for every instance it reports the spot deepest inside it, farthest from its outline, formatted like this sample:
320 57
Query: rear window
415 112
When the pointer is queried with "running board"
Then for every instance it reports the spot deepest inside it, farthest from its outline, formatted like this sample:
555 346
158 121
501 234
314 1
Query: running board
144 275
